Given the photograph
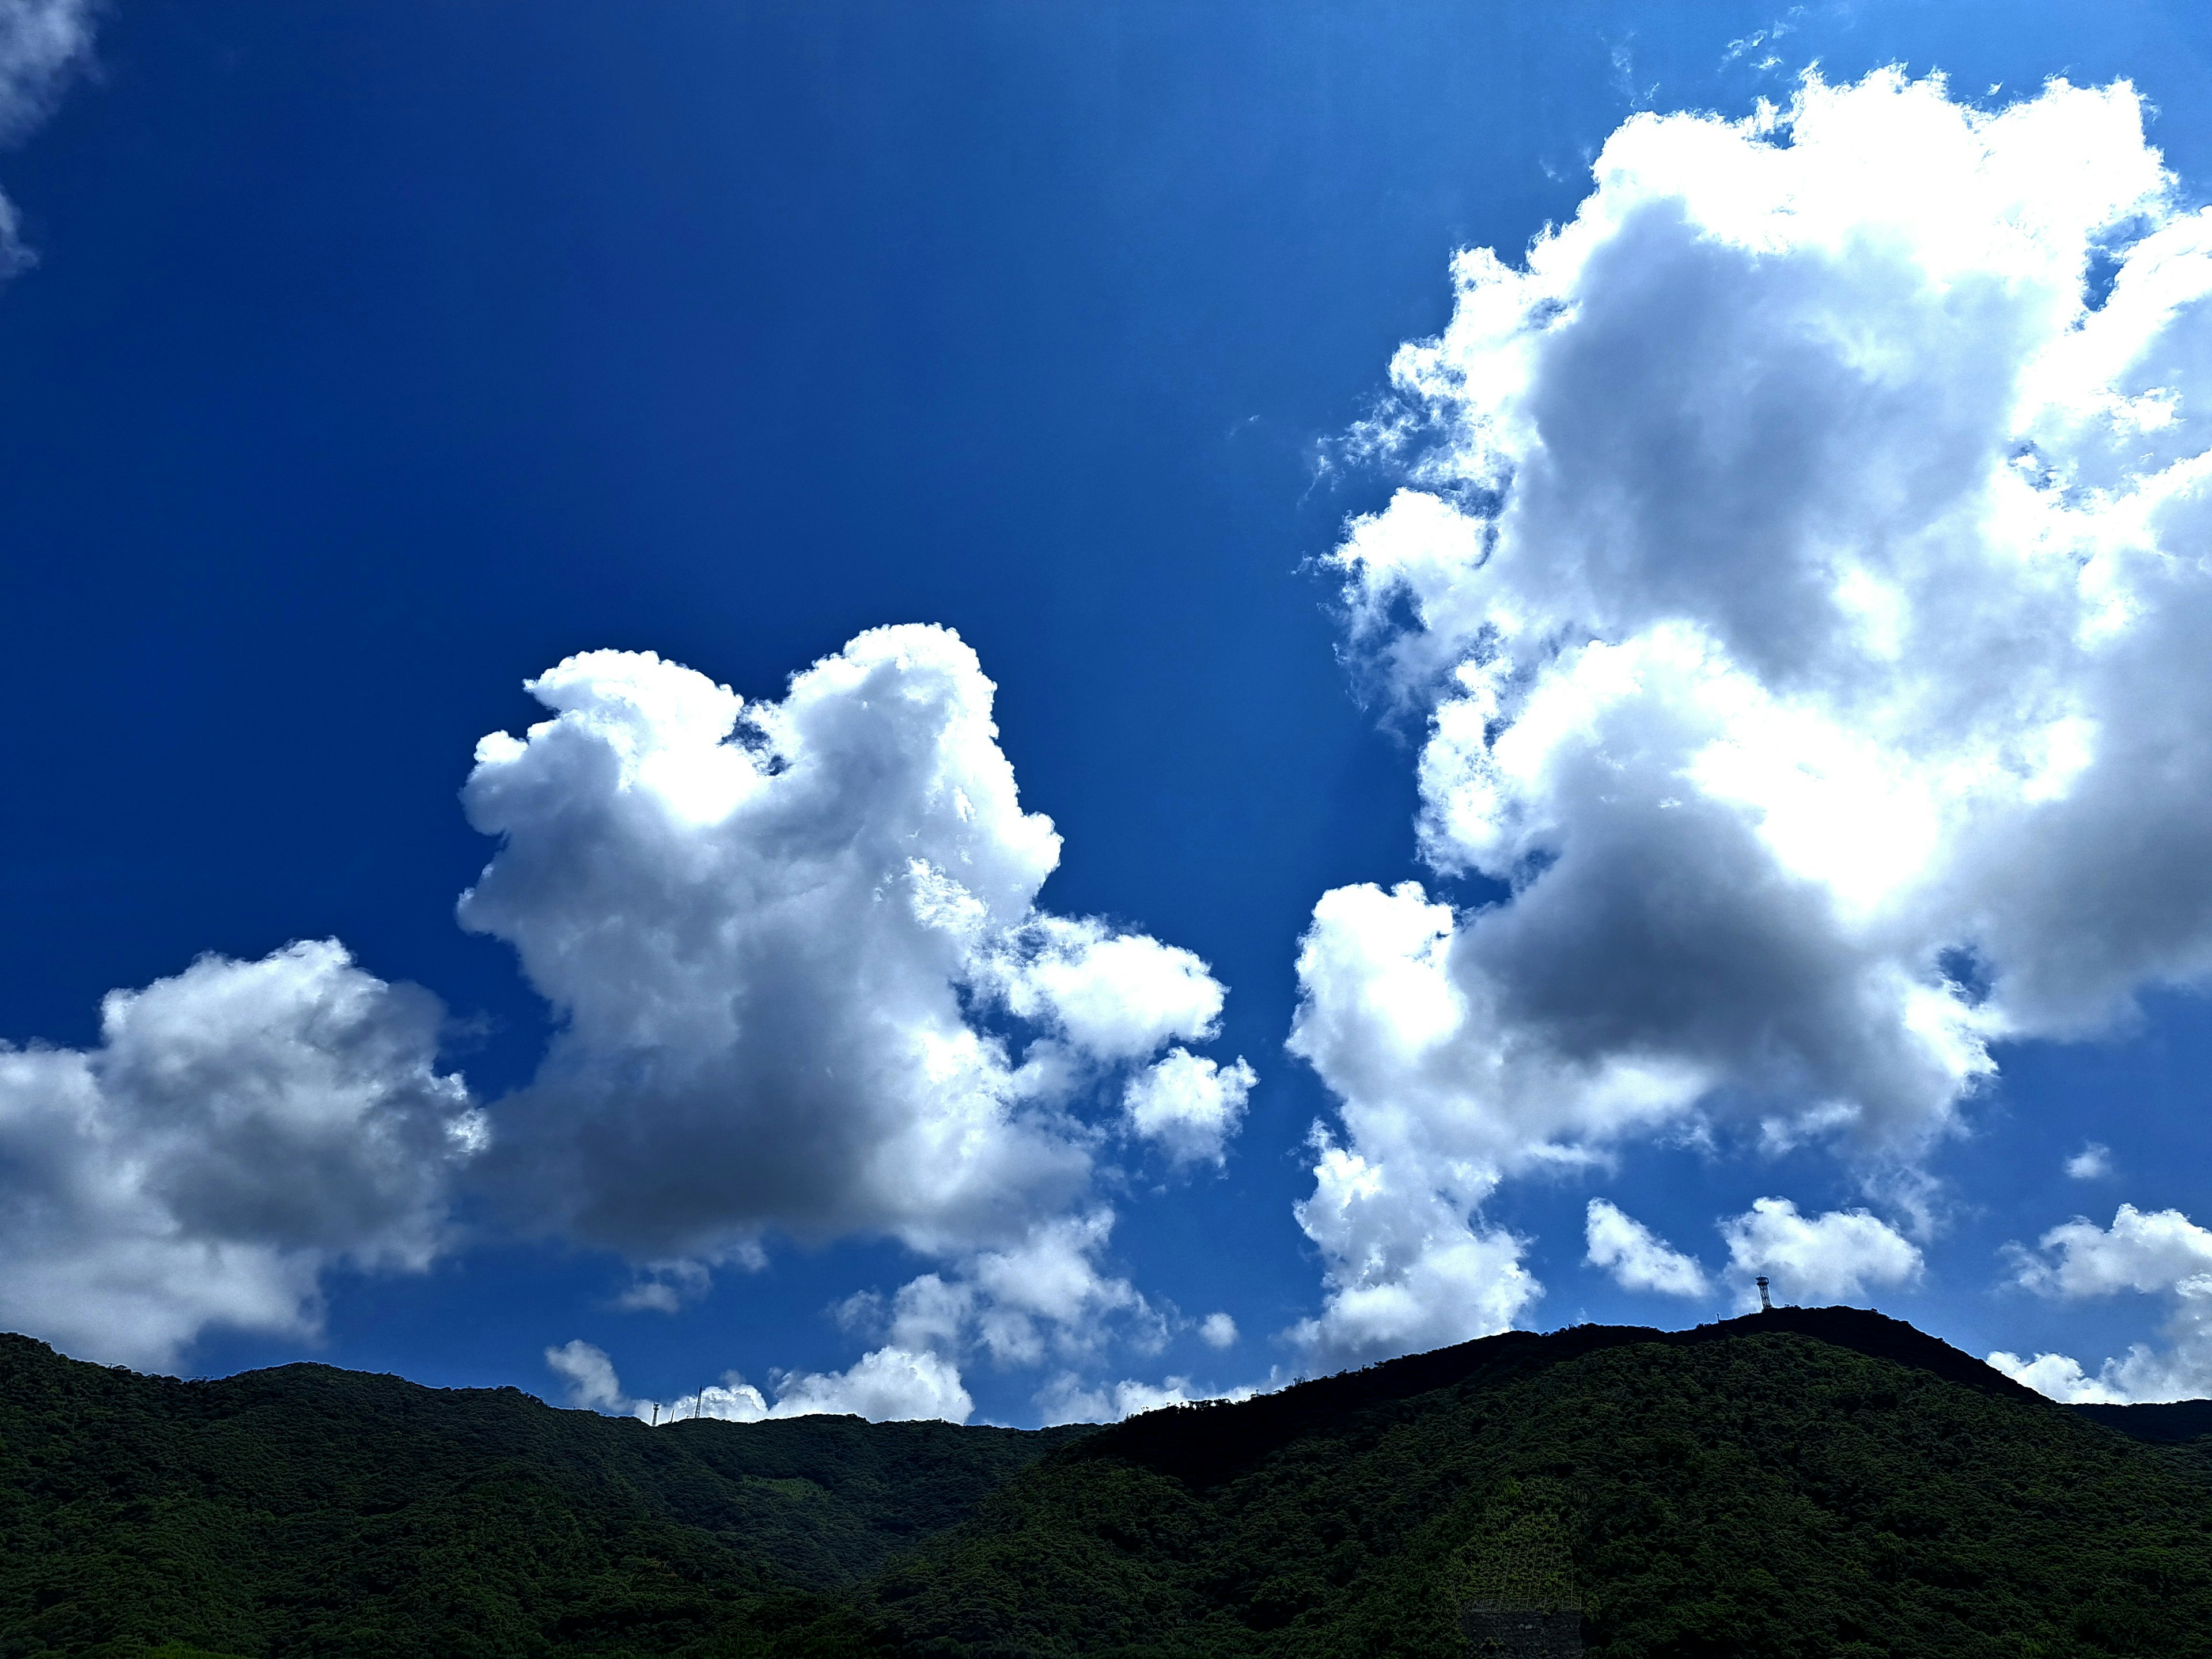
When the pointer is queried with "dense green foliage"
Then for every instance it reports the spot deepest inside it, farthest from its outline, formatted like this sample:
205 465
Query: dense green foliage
312 1510
1771 1492
1808 1483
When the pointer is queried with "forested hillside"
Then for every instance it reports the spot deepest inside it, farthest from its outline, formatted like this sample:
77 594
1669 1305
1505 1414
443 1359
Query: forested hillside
1822 1482
1825 1482
310 1510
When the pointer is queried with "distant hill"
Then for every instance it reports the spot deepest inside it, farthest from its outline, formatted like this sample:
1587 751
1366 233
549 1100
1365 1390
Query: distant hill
1807 1482
2183 1422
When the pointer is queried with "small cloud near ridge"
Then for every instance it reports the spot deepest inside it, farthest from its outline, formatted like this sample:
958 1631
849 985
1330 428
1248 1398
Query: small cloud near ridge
1636 1257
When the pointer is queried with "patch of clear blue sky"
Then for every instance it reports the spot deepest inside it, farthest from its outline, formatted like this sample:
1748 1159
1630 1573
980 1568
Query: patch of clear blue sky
381 354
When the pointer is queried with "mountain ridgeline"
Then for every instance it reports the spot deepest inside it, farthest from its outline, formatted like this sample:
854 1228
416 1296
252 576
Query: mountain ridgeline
1807 1482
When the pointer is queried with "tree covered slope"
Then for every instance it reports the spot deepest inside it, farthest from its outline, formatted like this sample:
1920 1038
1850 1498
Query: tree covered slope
306 1510
1811 1482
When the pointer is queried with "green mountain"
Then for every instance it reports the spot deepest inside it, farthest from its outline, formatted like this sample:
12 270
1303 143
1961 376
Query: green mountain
310 1510
1807 1482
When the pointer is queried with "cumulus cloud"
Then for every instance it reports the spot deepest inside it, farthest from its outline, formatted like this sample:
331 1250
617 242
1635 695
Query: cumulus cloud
1638 1258
803 980
1404 1268
1045 1298
1218 1330
2161 1252
1796 576
1815 1260
887 1385
239 1127
2092 1162
1048 1294
590 1375
1189 1105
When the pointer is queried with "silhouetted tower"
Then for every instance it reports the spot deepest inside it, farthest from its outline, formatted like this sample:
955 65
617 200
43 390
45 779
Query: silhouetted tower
1765 1301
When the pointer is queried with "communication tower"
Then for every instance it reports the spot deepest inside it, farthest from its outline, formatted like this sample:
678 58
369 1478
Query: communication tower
1765 1301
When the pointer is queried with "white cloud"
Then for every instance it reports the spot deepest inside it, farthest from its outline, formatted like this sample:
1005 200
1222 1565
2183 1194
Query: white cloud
931 1313
1066 1400
2157 1252
1115 996
804 982
1817 1260
1043 1299
1404 1268
1218 1330
1189 1105
2092 1162
42 44
732 1400
1798 582
1639 1259
1046 1294
241 1126
889 1384
2061 1377
590 1375
2140 1252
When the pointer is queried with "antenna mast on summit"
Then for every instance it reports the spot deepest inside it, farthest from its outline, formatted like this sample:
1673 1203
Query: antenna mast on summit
1765 1301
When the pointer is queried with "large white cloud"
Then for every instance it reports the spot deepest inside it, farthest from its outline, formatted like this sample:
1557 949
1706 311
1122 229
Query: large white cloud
1803 585
794 946
2158 1252
240 1127
805 988
884 1385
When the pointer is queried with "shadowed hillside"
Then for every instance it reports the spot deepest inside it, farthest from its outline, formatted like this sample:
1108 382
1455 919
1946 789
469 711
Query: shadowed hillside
306 1510
1810 1482
1807 1482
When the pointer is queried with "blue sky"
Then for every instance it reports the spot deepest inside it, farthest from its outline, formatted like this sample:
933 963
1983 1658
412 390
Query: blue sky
377 358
